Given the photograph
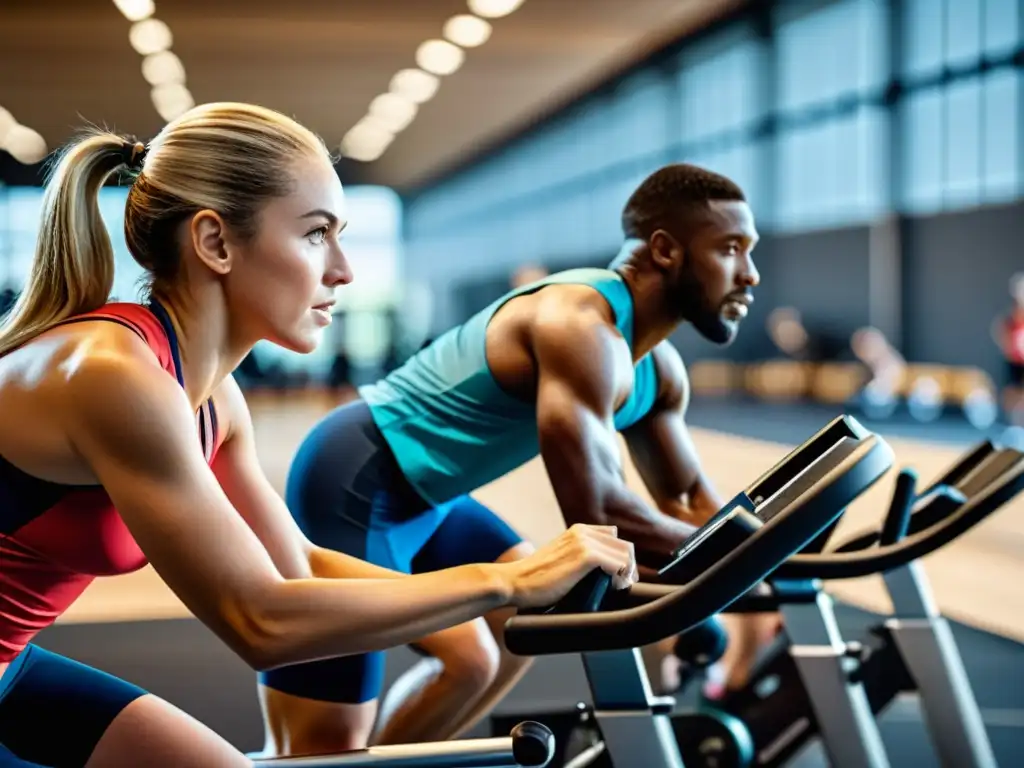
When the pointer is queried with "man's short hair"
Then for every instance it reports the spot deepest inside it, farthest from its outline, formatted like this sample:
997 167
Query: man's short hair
672 189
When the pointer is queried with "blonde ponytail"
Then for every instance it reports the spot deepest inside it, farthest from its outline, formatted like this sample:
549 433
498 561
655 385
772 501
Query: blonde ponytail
73 268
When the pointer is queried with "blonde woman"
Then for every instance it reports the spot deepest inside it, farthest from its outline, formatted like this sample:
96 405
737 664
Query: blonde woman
124 439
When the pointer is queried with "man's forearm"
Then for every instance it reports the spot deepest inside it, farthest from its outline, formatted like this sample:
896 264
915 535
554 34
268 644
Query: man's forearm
696 507
650 530
586 474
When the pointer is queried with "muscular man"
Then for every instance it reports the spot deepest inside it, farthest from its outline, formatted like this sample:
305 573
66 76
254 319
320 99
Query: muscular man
555 367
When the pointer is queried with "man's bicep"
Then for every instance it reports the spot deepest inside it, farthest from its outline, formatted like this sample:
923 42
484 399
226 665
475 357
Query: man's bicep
661 445
575 394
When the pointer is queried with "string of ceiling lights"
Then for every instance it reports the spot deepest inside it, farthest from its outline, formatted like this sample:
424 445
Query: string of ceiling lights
388 115
392 111
161 68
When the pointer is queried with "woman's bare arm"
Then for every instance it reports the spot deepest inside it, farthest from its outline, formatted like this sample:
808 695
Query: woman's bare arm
134 427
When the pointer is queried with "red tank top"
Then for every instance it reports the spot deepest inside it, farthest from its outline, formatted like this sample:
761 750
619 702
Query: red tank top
55 539
1015 337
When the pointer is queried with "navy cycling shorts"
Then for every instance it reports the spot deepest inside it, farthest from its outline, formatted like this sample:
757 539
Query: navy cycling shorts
347 493
53 711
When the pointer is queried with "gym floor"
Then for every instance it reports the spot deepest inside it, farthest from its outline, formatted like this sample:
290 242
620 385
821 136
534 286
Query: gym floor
134 629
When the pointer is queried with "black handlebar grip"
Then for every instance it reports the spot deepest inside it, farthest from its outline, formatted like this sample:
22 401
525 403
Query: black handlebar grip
587 595
533 744
897 521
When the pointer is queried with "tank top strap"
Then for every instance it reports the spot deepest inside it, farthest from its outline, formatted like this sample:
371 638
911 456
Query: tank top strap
142 321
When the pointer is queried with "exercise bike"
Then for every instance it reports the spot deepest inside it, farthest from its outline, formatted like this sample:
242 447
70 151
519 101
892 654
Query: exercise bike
627 725
716 737
817 685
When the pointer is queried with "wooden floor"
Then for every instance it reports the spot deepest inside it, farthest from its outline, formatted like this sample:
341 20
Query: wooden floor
976 580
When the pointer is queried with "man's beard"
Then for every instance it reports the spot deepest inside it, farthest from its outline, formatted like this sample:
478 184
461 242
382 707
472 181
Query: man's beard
696 308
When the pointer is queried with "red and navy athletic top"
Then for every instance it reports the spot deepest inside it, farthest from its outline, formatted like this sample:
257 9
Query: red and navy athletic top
55 539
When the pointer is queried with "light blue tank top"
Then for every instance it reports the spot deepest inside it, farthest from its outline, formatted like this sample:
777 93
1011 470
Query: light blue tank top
451 426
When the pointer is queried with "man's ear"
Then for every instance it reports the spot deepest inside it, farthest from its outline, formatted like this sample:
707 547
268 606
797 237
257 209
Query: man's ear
666 251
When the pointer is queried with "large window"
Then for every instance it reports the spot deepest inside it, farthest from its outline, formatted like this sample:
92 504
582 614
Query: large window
830 52
961 143
831 165
956 33
922 151
720 90
960 139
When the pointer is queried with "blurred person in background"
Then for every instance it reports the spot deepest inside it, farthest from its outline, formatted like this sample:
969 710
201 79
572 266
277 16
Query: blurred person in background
792 337
1008 332
886 366
528 273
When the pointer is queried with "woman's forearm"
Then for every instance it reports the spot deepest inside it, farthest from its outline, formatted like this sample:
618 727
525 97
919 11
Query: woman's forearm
301 620
330 564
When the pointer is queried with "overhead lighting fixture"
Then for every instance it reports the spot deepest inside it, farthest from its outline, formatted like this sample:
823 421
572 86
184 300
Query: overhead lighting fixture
415 85
135 10
7 122
493 9
467 31
172 100
25 145
163 68
392 111
439 57
150 36
366 140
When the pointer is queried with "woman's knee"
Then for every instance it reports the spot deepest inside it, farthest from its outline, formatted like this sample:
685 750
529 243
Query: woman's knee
470 657
165 736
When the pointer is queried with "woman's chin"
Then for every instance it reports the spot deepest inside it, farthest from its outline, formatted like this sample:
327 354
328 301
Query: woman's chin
303 342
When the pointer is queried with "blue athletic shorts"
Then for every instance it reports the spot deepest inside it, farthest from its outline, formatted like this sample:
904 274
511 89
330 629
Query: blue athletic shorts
53 710
347 493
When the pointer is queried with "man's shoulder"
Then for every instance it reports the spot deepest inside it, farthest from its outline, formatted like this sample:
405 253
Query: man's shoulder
572 309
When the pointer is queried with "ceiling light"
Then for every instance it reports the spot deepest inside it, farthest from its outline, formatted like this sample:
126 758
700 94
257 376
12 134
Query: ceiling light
415 85
150 36
392 111
25 145
135 10
366 140
367 153
493 9
172 100
439 57
7 122
467 31
163 68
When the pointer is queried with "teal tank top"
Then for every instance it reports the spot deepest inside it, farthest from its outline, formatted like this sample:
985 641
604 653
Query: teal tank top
452 428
